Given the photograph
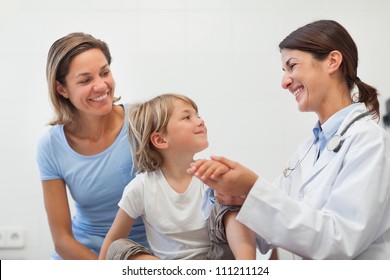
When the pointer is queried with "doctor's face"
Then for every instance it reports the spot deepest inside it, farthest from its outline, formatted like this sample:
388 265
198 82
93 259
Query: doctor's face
305 77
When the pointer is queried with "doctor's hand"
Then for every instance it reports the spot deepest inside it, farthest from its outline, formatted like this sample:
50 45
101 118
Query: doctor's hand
236 200
223 175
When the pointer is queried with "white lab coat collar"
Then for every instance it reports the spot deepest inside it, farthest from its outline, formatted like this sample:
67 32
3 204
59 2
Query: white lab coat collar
311 166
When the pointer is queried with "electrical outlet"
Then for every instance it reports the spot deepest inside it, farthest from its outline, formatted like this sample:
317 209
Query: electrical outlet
11 237
15 238
2 238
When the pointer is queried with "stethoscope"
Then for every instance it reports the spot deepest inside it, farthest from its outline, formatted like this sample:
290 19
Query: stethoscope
334 144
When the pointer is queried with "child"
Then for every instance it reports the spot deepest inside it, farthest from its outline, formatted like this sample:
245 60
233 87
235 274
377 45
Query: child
165 133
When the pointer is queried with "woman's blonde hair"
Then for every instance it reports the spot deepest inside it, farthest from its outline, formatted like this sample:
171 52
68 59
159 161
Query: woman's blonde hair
60 55
146 118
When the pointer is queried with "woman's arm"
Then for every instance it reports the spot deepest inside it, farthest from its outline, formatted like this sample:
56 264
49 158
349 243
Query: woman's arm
120 228
58 214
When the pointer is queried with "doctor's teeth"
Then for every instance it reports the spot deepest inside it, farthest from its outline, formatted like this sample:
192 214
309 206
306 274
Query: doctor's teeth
297 91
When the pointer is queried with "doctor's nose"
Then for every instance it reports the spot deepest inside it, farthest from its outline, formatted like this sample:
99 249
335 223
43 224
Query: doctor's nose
286 80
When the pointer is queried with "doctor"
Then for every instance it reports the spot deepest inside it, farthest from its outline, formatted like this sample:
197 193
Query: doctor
333 199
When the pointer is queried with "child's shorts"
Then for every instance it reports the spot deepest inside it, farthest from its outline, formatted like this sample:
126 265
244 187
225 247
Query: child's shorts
122 249
220 249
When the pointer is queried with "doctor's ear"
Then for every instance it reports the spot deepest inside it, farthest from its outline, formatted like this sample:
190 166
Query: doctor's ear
158 140
334 60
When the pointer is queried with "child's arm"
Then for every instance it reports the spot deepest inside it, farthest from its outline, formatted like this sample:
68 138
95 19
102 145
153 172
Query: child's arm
120 228
241 240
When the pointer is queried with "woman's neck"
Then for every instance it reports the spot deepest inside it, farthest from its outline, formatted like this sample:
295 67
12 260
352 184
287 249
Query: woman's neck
336 101
96 127
90 136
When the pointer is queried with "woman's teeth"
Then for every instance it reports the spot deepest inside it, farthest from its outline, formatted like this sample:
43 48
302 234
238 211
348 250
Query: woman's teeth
100 98
298 91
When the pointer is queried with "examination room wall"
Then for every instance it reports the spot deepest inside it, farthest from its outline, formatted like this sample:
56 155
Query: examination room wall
222 53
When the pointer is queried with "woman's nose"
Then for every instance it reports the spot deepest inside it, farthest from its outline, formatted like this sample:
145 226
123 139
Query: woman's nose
286 80
99 85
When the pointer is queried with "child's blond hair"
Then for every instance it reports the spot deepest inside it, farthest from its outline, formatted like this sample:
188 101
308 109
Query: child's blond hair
146 118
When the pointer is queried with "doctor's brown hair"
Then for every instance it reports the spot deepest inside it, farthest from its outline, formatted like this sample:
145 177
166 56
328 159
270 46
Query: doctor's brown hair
324 36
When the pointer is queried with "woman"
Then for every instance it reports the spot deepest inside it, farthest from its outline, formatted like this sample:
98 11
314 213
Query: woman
333 199
86 148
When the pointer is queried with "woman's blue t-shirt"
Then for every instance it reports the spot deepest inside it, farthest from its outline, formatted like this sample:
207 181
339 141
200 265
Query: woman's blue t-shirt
96 183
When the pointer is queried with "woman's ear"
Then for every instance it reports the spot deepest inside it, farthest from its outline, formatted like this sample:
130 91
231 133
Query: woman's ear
335 58
61 90
158 140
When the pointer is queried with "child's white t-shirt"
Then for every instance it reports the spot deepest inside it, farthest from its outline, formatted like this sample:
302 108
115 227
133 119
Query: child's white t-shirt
174 224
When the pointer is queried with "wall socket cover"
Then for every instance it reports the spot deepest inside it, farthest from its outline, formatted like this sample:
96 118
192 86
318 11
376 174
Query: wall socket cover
11 237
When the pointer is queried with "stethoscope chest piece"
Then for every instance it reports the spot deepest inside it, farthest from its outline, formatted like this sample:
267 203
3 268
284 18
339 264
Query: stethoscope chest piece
334 144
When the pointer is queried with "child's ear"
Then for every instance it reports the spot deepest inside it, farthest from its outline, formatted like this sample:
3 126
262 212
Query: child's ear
158 140
61 90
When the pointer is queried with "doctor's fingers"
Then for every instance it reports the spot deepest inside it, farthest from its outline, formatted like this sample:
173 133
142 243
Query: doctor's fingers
229 199
229 163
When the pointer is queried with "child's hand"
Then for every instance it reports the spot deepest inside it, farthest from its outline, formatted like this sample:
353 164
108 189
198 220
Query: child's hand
223 175
207 169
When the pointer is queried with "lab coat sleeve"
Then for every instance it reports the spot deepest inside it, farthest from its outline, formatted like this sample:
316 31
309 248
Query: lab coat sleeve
354 215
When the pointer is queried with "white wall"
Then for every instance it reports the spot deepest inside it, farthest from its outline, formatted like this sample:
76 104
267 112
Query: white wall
222 53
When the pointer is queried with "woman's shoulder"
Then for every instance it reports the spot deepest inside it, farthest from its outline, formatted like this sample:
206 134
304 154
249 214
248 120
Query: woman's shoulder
50 146
125 106
52 134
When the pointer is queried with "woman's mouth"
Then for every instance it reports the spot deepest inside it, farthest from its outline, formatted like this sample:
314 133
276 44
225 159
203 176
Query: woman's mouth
100 98
297 91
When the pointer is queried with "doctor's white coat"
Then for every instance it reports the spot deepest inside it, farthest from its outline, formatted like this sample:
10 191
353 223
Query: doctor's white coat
337 207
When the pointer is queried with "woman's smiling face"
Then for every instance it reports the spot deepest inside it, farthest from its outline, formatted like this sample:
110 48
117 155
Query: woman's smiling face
89 83
306 78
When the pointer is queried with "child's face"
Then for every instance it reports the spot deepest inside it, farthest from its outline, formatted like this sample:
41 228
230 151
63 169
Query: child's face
186 131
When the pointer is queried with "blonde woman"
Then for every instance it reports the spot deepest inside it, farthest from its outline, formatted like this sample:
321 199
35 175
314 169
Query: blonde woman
85 149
